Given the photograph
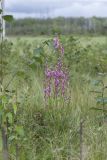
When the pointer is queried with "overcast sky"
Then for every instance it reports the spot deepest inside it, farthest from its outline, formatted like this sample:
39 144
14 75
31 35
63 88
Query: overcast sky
54 8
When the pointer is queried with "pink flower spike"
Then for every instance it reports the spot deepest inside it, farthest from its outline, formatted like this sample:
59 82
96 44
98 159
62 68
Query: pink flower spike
47 91
56 43
56 77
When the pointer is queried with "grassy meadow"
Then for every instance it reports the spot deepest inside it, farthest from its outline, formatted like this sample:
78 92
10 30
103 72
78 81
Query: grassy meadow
71 129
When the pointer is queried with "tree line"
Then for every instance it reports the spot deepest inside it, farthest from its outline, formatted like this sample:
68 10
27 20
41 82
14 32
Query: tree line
61 25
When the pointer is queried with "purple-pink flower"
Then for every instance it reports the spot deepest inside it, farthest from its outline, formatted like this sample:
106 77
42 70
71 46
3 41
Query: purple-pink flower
56 78
58 45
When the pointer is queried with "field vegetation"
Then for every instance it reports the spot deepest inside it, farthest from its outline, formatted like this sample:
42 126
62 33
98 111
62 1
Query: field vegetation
53 97
40 131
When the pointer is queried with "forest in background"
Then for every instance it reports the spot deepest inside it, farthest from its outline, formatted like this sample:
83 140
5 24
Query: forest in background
32 27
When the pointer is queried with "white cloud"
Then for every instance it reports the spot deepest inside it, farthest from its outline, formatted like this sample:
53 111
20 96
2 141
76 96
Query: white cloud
54 8
31 6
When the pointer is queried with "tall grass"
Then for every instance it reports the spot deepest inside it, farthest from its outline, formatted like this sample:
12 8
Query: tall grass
53 132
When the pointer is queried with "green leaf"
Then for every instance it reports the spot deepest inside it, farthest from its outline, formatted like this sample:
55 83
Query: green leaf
32 65
47 42
15 108
8 18
11 138
38 51
4 100
10 117
20 130
38 56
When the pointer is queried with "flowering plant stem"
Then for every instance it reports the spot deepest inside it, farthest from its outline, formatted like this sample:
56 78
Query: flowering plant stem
56 77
